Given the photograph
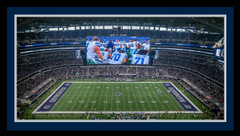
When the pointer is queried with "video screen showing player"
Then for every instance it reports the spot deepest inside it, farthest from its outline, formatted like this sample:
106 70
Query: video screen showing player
117 50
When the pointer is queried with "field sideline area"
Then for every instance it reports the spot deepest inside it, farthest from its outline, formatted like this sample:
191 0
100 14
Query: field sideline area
117 97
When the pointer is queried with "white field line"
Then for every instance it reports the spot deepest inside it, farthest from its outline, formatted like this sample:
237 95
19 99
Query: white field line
129 98
95 97
82 90
100 97
117 97
186 98
106 99
83 97
134 96
47 98
150 95
146 97
169 99
35 111
123 97
117 112
141 98
114 82
158 99
89 97
112 98
62 98
67 97
163 97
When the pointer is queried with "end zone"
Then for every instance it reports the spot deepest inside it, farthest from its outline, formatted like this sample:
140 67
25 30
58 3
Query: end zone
186 104
48 104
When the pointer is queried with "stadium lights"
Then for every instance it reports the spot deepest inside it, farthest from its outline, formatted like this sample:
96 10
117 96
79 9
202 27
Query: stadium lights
53 29
71 28
146 27
189 29
34 29
60 29
82 27
135 27
108 27
98 27
163 28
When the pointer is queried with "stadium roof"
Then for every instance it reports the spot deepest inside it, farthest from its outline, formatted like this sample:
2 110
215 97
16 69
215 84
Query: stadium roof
211 24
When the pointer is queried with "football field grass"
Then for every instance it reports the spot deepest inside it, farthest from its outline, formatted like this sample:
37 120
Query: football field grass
82 97
117 97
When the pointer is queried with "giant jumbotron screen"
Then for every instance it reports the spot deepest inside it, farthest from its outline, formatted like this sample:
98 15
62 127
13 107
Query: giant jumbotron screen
118 50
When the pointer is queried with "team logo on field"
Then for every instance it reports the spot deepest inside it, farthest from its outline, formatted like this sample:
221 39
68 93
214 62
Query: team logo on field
117 94
47 106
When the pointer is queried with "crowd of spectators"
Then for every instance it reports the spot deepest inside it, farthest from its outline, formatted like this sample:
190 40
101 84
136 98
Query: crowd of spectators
202 64
36 62
79 72
201 83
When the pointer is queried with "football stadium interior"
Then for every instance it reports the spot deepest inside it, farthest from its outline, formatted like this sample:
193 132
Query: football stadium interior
175 71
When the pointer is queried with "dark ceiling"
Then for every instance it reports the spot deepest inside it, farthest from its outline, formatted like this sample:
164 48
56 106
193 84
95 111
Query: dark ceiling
211 24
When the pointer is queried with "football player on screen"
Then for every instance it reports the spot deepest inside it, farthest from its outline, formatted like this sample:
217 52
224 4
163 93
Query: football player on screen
146 46
133 46
106 54
117 45
140 59
94 55
118 58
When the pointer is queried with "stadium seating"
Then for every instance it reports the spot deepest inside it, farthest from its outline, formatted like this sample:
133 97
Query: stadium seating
200 69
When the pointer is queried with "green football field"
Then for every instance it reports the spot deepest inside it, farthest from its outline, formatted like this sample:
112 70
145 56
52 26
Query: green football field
117 97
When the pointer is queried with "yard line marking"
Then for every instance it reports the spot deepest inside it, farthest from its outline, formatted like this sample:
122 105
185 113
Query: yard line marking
100 97
89 97
117 98
140 99
162 99
105 100
117 82
86 91
146 97
150 95
96 93
123 98
129 98
173 102
102 91
72 96
112 97
79 96
70 90
167 96
134 97
157 97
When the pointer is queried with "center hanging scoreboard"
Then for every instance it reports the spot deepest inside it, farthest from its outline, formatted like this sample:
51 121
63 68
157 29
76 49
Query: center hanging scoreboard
118 50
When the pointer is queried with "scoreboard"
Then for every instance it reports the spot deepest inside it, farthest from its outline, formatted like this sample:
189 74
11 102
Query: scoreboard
118 50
